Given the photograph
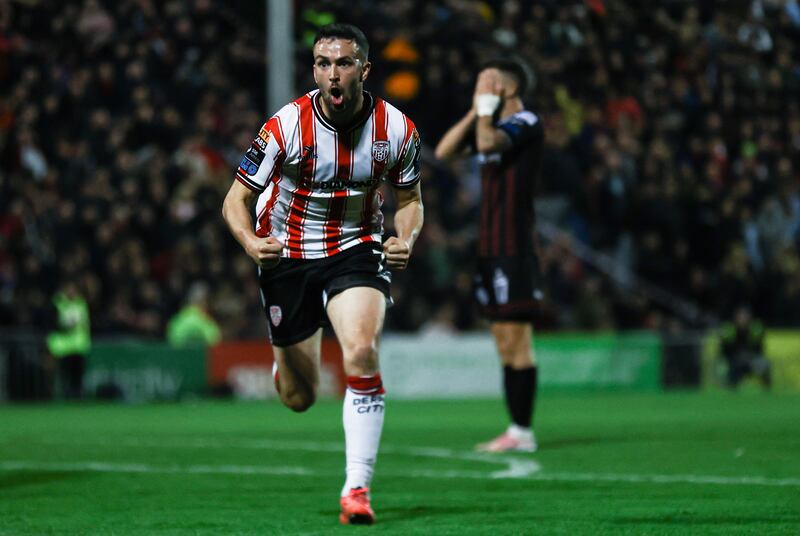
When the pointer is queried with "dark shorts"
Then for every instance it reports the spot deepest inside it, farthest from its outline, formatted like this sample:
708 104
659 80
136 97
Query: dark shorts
296 292
508 288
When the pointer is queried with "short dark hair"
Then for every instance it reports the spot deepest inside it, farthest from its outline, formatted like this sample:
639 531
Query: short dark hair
516 67
344 31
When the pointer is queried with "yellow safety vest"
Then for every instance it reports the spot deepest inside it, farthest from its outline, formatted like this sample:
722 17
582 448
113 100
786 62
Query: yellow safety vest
74 334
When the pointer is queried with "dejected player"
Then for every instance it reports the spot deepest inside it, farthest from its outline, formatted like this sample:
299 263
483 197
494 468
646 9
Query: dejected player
508 140
313 172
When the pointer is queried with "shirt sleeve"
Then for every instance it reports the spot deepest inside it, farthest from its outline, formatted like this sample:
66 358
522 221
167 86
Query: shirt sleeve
260 161
522 128
407 170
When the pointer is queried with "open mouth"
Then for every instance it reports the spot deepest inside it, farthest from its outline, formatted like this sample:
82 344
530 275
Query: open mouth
336 96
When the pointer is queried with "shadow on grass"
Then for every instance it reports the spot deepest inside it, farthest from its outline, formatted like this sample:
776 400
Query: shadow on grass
567 442
21 479
410 512
419 511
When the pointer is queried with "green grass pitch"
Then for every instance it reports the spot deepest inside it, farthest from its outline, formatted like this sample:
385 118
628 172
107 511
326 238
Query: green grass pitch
685 463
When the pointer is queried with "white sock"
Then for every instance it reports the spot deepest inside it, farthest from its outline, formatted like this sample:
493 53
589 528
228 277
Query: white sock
520 432
362 417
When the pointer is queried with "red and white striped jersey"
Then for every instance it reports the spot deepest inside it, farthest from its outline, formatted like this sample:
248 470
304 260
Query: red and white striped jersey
319 185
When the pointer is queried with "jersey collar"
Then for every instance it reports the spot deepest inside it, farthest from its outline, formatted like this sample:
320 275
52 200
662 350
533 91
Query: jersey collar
366 111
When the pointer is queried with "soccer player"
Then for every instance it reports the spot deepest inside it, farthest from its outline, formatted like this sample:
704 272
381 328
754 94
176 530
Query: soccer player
313 172
508 140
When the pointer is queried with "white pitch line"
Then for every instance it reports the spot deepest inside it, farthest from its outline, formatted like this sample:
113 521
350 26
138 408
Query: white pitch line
515 467
670 479
106 467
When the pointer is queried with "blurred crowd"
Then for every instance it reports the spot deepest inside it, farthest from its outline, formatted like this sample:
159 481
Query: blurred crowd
670 190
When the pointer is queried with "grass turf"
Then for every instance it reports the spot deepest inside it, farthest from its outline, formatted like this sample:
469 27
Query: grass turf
713 463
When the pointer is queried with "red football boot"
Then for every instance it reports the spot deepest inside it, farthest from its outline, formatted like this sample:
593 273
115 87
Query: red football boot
356 509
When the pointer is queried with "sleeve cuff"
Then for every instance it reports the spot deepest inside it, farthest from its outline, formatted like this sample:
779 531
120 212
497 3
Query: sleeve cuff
406 185
249 184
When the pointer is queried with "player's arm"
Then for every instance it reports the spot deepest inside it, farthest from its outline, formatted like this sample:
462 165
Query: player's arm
265 251
488 98
408 221
408 218
454 142
257 166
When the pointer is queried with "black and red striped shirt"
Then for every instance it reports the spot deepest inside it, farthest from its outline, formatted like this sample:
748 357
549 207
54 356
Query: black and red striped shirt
508 182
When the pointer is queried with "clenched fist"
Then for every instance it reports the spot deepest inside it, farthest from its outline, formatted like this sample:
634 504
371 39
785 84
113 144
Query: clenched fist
266 251
397 253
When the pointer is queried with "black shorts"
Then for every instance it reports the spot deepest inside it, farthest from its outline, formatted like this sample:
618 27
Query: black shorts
507 288
296 292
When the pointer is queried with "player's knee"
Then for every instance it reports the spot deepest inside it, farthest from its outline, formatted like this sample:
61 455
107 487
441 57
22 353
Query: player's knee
522 360
361 358
511 350
515 354
506 350
299 400
299 404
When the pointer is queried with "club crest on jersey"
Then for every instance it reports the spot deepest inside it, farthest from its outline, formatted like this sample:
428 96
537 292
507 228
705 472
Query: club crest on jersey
380 151
275 315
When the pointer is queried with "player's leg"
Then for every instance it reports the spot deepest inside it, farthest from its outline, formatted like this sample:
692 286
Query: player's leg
513 342
292 297
763 369
511 299
73 374
62 377
357 315
520 373
297 374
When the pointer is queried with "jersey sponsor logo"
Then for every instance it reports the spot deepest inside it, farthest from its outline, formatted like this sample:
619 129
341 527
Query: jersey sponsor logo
337 184
251 168
260 143
264 134
275 315
380 151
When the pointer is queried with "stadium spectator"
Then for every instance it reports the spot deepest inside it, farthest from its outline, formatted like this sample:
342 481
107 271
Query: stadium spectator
742 344
70 341
193 324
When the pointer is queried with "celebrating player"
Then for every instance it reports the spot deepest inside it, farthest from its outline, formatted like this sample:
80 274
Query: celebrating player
313 172
508 140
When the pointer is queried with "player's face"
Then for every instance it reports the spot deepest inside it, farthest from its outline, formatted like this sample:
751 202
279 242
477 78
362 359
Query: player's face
340 71
493 80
